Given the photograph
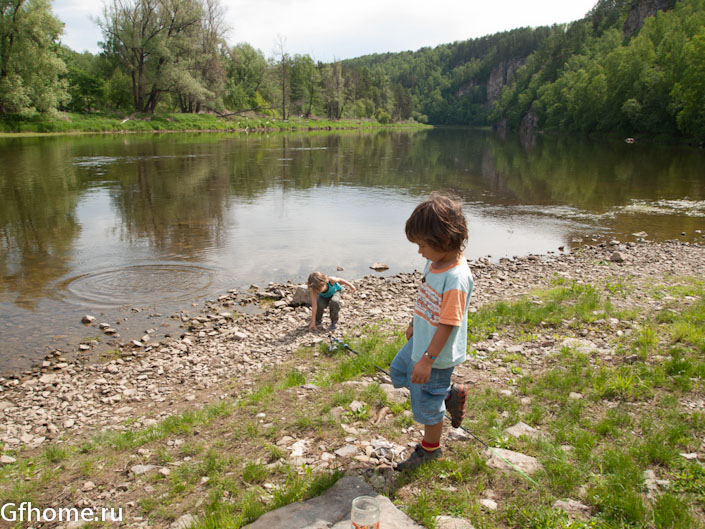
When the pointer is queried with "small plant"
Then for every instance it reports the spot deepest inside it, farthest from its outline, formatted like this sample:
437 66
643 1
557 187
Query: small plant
55 453
254 473
293 379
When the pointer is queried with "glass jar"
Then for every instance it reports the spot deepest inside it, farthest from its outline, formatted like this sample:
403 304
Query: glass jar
365 513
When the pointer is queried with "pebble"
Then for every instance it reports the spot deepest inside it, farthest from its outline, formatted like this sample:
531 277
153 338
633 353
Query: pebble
185 522
489 504
7 460
573 507
347 451
138 470
449 522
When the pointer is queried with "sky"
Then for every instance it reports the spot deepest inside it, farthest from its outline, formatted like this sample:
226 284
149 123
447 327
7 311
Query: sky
341 29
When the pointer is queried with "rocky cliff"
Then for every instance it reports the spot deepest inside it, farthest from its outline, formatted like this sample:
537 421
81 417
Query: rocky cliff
641 10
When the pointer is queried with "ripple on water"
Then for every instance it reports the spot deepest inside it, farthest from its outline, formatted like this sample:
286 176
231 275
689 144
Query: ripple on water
149 283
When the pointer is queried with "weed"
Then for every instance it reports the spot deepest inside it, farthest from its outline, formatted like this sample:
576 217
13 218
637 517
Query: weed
56 453
293 379
690 479
672 512
254 472
261 394
617 493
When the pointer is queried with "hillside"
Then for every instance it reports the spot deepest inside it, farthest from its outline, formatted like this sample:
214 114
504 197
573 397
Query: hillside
629 67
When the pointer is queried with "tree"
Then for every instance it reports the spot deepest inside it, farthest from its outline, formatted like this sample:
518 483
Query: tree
246 70
690 92
303 85
86 84
334 96
284 60
30 66
207 65
155 41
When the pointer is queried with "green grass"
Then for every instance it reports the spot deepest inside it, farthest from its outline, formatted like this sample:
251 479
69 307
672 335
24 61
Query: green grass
87 123
595 449
576 301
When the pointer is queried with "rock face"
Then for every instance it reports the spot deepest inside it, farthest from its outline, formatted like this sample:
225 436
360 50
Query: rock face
502 75
529 123
641 10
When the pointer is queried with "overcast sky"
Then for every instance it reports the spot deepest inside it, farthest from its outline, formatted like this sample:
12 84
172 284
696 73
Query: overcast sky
342 29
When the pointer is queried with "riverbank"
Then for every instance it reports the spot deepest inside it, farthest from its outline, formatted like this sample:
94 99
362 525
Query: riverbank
598 353
69 123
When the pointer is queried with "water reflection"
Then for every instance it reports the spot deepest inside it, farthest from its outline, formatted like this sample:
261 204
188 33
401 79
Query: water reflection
91 221
37 221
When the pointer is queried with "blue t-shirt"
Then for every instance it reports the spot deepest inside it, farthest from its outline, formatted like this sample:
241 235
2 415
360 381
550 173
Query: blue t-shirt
332 289
444 297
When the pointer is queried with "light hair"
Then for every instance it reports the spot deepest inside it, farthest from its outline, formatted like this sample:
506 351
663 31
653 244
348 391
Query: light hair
317 281
438 222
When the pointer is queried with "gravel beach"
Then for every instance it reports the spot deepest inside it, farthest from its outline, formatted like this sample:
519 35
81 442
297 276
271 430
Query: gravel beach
149 381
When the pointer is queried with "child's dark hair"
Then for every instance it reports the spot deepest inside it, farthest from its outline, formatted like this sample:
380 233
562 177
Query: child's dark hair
439 222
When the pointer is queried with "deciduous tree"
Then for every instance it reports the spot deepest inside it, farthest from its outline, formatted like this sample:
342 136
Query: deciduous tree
30 66
157 43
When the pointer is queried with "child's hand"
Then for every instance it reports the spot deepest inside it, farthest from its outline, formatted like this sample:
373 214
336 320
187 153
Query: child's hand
312 327
422 371
409 332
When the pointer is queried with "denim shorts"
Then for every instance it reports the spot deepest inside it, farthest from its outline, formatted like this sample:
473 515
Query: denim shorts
427 400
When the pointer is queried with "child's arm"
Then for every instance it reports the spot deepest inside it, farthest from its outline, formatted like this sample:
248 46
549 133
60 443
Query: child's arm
422 369
343 282
314 307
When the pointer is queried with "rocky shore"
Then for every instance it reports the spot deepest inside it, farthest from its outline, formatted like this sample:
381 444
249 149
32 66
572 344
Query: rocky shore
148 382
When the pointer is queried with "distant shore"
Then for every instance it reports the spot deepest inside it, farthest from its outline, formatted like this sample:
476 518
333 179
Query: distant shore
174 122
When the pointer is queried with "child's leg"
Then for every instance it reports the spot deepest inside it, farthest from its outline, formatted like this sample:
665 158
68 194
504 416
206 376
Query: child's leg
400 368
321 304
336 303
428 401
428 407
432 434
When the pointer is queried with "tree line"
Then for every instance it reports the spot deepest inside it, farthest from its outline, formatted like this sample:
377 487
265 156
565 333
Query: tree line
172 55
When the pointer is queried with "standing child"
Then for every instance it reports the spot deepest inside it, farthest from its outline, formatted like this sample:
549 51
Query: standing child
437 335
325 293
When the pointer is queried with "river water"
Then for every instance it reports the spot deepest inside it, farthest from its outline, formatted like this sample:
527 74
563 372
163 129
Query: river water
119 225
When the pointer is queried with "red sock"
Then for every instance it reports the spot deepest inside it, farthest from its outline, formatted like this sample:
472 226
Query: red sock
430 447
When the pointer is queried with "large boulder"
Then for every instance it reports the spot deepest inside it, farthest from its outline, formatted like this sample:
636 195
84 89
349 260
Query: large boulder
302 296
332 509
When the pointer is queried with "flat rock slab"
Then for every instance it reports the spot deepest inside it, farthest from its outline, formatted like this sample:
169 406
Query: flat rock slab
502 459
331 510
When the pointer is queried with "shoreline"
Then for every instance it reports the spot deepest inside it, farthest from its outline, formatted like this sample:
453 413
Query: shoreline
246 414
143 380
192 124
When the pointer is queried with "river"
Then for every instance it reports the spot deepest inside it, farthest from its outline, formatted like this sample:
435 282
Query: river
126 227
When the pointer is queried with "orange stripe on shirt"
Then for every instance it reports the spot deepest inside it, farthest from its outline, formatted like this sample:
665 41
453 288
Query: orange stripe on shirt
453 307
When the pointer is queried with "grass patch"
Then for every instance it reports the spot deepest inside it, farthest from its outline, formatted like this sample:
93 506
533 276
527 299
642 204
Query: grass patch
635 415
107 122
576 301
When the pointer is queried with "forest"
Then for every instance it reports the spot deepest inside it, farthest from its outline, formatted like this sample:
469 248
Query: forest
621 69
